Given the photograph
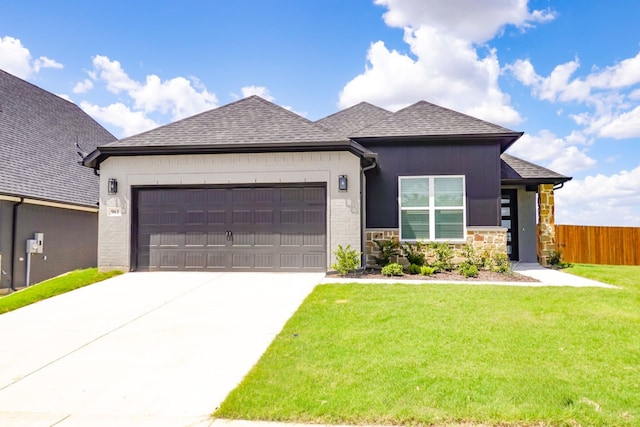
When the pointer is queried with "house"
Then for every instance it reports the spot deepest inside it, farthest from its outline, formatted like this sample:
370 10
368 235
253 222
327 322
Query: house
251 186
43 188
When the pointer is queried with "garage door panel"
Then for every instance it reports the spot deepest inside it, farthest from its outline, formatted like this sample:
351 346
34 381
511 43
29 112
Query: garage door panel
216 239
272 228
217 217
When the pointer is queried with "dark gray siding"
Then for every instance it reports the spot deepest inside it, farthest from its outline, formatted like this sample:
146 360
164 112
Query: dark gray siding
70 241
6 214
479 163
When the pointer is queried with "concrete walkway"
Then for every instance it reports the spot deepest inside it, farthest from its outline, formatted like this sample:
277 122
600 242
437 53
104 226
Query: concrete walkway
545 277
141 349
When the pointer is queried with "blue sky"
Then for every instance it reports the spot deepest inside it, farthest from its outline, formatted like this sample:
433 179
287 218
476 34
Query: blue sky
566 73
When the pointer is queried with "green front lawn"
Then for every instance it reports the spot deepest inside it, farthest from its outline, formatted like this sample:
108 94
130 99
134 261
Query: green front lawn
58 285
434 354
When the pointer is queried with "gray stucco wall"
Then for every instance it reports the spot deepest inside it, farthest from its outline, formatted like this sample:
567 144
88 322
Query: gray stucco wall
343 208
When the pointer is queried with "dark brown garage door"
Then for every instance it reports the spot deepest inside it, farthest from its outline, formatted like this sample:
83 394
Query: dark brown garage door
273 228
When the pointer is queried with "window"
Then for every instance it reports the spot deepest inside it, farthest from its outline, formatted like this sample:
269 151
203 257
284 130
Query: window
432 207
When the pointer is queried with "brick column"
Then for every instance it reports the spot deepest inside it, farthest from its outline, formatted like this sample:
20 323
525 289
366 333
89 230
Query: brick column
546 223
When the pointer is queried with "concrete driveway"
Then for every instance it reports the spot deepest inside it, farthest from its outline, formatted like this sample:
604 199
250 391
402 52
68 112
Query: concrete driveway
157 349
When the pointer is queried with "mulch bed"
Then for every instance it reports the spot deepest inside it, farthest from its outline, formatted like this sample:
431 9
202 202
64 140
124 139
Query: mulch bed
483 276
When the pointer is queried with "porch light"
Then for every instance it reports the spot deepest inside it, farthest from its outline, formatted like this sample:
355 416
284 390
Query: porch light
342 182
112 187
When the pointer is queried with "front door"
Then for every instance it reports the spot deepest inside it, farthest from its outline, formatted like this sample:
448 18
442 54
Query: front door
509 214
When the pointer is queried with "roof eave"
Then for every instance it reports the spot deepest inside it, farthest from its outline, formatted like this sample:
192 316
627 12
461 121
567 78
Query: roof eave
506 139
536 181
94 159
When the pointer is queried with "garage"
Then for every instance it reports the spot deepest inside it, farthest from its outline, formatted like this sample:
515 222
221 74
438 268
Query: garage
268 227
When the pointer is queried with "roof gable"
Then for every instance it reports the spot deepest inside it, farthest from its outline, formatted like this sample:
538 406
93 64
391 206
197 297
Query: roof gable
352 119
427 119
38 132
251 120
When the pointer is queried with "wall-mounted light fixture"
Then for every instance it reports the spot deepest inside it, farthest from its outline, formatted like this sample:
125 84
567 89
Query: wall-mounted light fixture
342 182
112 187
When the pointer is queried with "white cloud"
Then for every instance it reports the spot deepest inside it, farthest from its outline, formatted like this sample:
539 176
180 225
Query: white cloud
178 97
625 125
608 96
472 20
16 59
261 91
118 114
83 86
558 154
447 71
44 62
601 200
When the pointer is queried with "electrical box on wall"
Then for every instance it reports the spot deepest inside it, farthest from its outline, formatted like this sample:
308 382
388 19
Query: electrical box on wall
39 238
32 246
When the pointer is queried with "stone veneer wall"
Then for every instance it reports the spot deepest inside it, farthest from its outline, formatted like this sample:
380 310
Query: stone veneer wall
546 223
493 239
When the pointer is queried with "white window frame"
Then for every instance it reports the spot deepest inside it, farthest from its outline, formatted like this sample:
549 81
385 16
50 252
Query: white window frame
432 208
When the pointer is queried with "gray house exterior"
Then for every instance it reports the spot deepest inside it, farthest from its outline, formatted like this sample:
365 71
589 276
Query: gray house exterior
250 186
43 188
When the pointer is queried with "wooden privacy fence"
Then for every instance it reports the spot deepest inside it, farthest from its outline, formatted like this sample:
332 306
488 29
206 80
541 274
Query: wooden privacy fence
599 245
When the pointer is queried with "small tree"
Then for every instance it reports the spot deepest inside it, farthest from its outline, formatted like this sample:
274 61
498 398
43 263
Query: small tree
347 260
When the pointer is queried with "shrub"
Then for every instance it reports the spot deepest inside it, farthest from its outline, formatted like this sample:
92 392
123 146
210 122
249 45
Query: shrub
414 268
443 256
425 270
471 257
501 263
347 260
387 249
468 270
555 260
393 269
414 252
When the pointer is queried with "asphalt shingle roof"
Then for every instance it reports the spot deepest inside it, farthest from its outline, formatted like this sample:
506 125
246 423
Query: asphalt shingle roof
38 132
515 169
426 119
251 120
352 119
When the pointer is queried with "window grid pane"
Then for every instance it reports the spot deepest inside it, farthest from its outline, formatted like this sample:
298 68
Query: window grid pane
449 192
449 224
414 192
415 225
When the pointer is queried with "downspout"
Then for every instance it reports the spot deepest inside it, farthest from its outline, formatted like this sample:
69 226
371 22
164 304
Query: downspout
363 209
14 228
558 186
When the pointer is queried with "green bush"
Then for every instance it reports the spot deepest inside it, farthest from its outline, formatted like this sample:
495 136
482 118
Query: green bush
393 269
471 256
501 263
388 250
414 252
443 256
414 269
555 260
425 270
468 270
347 260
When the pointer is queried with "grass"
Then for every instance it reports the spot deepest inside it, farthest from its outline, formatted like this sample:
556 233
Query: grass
446 354
52 287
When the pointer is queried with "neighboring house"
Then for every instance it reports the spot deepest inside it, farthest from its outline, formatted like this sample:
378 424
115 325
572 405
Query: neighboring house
43 188
252 186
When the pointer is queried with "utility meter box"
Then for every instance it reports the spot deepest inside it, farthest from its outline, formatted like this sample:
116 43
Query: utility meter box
39 238
32 246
